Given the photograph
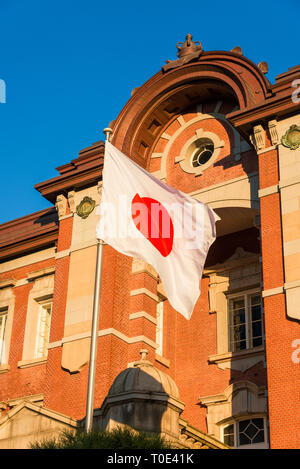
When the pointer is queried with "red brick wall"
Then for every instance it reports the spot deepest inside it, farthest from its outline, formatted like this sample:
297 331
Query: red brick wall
283 375
224 169
19 382
55 391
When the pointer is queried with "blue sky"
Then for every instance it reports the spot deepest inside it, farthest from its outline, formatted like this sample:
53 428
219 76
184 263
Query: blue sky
70 66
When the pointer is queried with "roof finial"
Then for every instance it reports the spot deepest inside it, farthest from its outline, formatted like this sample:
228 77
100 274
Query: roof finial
188 47
187 51
144 352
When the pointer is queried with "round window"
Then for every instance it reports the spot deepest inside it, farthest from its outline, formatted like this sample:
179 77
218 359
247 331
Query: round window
203 152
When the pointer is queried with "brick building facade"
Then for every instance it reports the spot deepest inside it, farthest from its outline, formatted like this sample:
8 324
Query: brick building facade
213 126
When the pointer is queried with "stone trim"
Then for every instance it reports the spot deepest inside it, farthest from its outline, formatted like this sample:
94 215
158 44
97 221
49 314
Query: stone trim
40 410
291 247
265 150
41 292
230 391
128 340
143 314
199 440
289 182
27 259
61 254
294 284
102 333
180 120
83 245
136 395
272 292
229 356
64 217
21 282
51 345
4 368
268 191
71 338
30 398
145 291
10 282
32 362
156 155
41 273
164 361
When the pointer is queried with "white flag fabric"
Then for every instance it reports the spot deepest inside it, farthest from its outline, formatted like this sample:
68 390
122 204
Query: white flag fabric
142 217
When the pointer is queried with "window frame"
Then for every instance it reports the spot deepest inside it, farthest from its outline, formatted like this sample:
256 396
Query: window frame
3 334
245 294
37 296
235 423
159 333
7 302
42 304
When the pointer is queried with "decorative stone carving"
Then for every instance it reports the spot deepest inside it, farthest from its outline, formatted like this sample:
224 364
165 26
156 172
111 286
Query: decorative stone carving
263 67
237 50
259 138
61 205
291 139
71 200
273 132
99 189
85 207
188 51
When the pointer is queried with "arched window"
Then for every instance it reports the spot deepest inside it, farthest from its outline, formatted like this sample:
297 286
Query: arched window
247 433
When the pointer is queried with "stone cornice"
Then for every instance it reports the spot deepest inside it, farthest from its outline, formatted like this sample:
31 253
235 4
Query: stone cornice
29 233
276 106
82 171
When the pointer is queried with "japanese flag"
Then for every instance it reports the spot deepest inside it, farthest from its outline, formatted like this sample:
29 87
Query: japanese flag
142 217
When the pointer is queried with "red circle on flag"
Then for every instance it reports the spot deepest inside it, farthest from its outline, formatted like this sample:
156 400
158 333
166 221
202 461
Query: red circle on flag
152 219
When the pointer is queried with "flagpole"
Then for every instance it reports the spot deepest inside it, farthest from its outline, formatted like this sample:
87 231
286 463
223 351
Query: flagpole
95 322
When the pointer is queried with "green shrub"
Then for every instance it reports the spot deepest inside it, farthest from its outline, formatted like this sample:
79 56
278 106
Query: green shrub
119 438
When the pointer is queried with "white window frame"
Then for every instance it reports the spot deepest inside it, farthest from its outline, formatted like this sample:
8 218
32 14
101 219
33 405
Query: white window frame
235 422
42 312
159 327
3 330
245 295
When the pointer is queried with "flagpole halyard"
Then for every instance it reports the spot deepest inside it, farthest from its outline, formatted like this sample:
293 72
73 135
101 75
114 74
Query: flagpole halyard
95 323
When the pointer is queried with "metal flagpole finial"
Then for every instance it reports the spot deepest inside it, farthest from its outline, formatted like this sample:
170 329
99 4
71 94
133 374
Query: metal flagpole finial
108 132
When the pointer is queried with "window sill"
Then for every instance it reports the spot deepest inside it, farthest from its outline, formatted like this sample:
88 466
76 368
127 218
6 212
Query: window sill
32 362
229 356
4 368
